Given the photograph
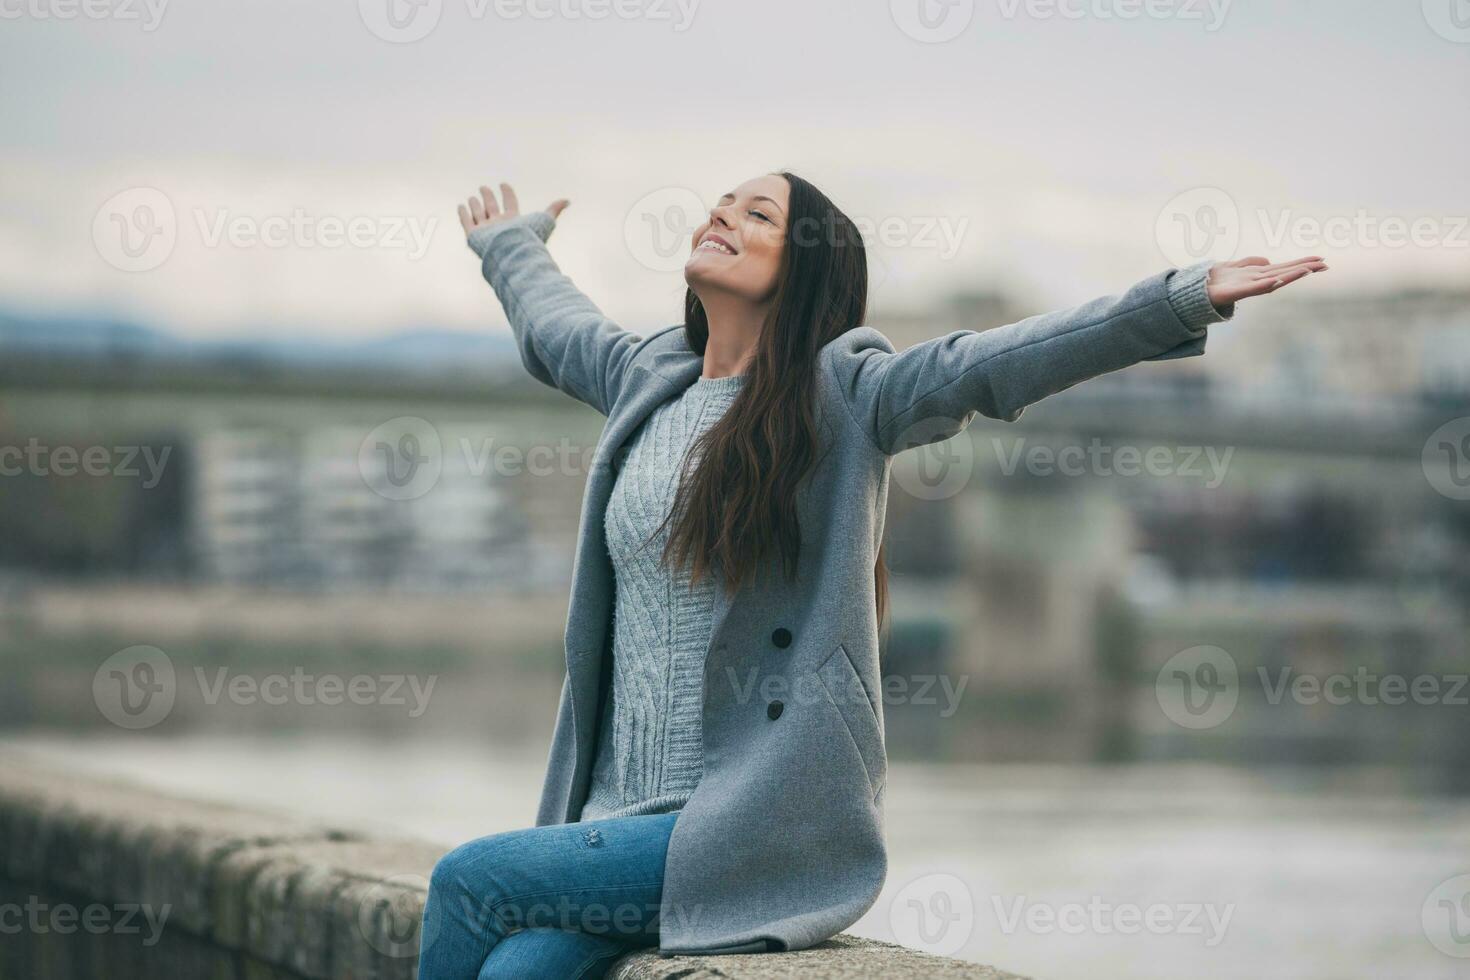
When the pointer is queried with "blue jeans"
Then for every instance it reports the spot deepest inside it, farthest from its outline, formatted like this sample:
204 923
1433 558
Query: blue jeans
562 901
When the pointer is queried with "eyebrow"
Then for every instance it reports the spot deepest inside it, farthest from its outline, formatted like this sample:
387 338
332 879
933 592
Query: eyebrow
758 197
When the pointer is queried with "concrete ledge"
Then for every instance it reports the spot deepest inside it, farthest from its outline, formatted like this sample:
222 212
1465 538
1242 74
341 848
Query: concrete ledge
119 881
842 956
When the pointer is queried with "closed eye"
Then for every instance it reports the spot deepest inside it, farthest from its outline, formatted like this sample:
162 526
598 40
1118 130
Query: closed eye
760 214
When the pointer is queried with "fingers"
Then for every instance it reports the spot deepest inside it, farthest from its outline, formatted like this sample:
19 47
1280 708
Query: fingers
1272 275
508 197
1264 267
1286 278
1269 284
492 209
483 209
1255 276
1315 263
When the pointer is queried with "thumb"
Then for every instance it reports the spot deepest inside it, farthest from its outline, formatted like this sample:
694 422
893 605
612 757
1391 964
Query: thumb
555 208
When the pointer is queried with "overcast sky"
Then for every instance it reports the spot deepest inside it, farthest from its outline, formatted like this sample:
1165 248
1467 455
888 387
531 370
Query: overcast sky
1057 150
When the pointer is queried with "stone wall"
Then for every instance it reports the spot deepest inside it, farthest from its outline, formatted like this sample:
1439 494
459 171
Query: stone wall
104 879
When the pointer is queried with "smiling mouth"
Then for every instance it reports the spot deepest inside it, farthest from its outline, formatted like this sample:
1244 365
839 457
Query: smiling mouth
711 245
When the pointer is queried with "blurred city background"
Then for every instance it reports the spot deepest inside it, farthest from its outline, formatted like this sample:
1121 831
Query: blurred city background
1190 634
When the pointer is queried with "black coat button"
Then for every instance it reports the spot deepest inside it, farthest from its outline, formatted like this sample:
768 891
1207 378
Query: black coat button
782 638
774 709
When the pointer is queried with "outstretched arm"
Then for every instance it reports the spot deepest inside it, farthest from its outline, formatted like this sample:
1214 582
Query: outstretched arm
932 390
564 339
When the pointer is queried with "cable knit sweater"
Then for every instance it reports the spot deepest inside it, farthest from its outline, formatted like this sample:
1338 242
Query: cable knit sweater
649 755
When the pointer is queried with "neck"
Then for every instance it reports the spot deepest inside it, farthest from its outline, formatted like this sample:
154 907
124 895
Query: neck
734 330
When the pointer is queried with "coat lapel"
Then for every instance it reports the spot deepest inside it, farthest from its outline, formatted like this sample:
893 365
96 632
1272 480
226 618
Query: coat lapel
668 374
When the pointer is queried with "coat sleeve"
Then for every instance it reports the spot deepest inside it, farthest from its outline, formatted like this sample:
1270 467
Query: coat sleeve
931 391
565 341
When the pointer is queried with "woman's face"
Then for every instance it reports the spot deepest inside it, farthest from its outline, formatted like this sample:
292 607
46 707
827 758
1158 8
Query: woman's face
738 248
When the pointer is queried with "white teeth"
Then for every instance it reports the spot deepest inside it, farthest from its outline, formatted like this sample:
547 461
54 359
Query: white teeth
715 246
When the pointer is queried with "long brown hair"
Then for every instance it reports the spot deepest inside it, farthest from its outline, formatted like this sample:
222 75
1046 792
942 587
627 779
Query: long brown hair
736 507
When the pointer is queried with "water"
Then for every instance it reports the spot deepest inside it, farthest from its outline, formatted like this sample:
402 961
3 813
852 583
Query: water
1032 869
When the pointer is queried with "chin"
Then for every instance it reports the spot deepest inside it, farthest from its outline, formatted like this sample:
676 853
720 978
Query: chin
695 274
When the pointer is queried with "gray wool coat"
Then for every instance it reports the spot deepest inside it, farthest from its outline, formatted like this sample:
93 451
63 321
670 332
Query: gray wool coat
781 845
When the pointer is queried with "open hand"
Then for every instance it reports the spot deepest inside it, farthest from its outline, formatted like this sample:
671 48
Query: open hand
1230 282
480 211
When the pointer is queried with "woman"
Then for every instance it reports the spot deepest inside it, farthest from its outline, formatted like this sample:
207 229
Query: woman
716 776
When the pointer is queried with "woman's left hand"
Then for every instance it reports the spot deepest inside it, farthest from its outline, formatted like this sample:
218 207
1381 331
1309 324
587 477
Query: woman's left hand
1231 282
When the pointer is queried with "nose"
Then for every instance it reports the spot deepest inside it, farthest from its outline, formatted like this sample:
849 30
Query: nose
719 215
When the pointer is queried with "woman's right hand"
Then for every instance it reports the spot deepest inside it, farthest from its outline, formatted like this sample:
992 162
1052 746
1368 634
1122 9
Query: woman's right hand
482 211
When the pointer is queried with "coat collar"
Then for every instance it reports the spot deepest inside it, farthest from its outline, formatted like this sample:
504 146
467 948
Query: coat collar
673 359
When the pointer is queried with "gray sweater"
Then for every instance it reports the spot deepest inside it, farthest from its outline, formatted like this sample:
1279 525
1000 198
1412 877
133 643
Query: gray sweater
649 757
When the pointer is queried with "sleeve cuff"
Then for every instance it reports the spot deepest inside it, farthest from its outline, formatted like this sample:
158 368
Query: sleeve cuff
1190 299
540 222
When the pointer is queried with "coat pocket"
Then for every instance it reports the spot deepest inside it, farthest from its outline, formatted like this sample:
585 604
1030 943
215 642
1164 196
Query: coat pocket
851 698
